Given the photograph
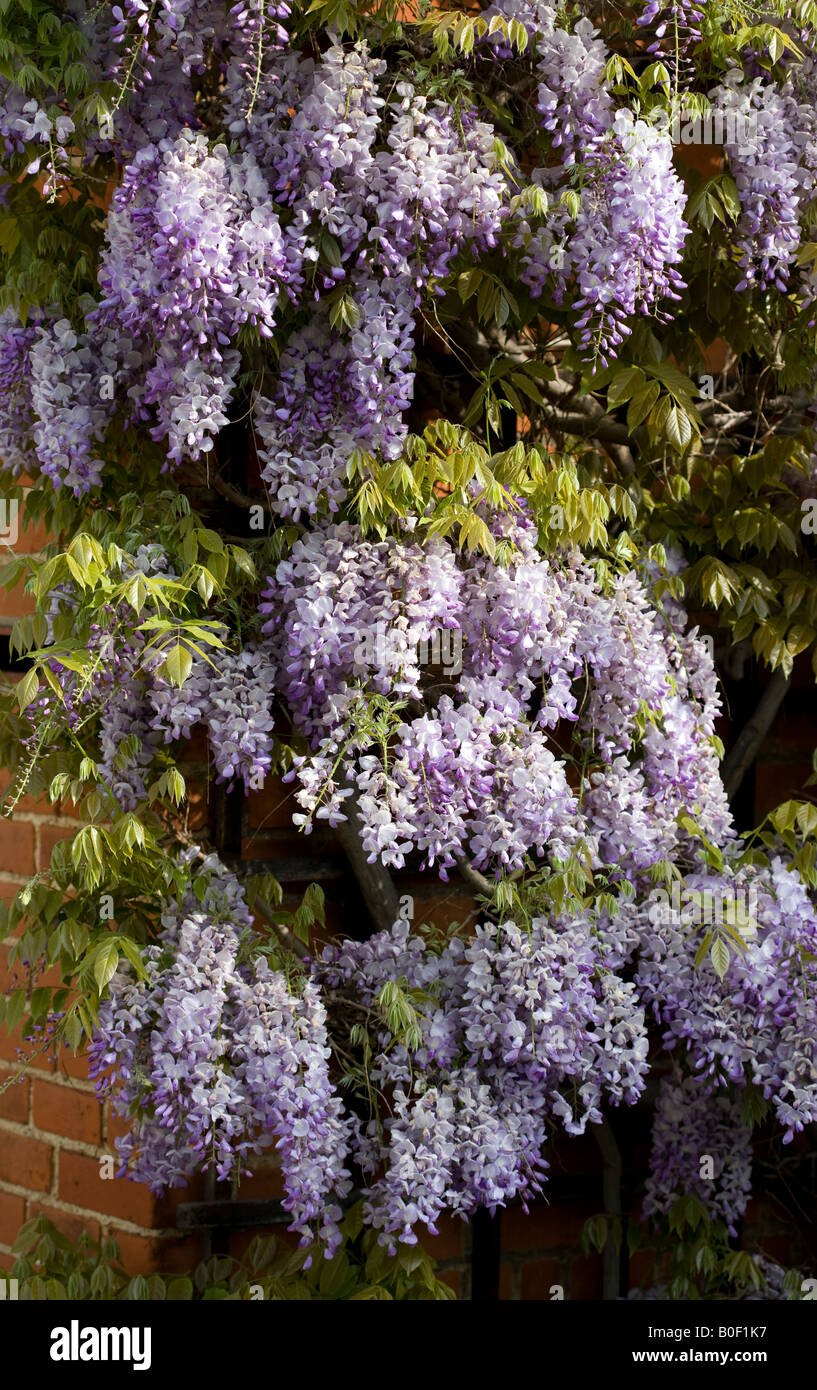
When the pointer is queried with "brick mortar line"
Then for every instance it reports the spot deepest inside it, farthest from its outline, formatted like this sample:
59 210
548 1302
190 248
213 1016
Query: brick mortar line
107 1224
15 879
45 1136
104 1219
54 1079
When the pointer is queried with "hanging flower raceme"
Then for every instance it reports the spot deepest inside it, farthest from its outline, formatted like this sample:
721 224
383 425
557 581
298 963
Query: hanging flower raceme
194 251
757 1022
519 1028
617 254
772 150
700 1145
481 662
229 693
213 1056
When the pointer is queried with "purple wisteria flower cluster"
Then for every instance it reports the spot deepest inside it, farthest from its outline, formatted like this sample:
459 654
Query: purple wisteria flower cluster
771 142
757 1024
618 253
520 1028
700 1145
320 200
214 1056
397 216
229 693
677 29
194 251
470 769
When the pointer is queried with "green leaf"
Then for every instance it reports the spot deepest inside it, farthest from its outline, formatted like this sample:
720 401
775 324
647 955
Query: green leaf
177 665
179 1290
642 403
678 429
626 381
27 689
211 540
106 961
720 957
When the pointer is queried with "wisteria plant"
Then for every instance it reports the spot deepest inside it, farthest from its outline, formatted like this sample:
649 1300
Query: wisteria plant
358 360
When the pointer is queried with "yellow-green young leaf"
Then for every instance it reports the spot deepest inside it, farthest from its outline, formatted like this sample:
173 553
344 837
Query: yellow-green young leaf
205 585
134 955
27 689
642 402
678 429
176 785
700 954
177 665
190 548
15 1008
137 593
807 819
105 962
720 957
75 570
783 817
218 567
799 637
72 1031
624 384
243 560
211 540
468 283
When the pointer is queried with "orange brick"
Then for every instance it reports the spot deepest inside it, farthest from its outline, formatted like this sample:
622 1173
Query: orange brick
450 1243
157 1254
196 749
26 1162
115 1126
776 782
73 1066
80 1182
14 1049
17 846
443 913
7 1261
33 536
12 1216
544 1227
272 806
50 835
261 1185
539 1277
585 1278
67 1110
14 1100
71 1226
14 603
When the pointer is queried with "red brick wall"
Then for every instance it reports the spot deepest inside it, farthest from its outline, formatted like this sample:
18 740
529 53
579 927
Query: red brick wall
53 1136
